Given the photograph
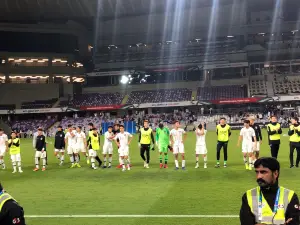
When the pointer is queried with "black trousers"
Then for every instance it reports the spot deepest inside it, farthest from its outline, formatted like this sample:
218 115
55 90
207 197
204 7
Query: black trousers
274 150
294 146
221 145
145 148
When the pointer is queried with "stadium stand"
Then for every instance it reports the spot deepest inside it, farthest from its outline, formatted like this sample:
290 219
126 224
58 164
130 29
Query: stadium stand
222 92
31 125
38 104
95 99
7 107
257 87
162 95
285 87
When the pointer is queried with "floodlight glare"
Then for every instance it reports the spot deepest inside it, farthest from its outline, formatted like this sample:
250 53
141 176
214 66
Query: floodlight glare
124 79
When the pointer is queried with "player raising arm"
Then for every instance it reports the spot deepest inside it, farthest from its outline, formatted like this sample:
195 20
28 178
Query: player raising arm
247 134
201 145
177 141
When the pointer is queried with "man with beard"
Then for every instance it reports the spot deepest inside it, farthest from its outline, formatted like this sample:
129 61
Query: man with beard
269 203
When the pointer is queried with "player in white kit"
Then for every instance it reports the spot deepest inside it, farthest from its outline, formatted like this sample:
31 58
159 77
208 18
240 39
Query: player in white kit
70 139
108 147
177 142
247 134
3 147
124 141
80 144
201 145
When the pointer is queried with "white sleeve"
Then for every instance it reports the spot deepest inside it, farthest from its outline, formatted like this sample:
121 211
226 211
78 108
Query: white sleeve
116 137
5 138
183 131
130 135
242 132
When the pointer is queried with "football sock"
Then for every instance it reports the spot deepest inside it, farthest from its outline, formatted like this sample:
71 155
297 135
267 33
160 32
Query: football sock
205 159
77 158
104 160
72 159
245 159
183 163
19 165
36 163
122 163
93 162
62 158
58 156
14 166
160 158
98 160
120 160
250 161
225 162
176 163
166 159
109 161
44 163
218 162
128 160
197 159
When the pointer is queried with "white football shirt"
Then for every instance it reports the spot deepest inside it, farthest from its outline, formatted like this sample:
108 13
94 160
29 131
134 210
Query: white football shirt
108 135
200 138
123 138
71 140
80 137
177 135
247 134
3 140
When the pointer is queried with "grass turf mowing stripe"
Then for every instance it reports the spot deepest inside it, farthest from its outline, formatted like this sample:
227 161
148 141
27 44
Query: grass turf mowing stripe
131 216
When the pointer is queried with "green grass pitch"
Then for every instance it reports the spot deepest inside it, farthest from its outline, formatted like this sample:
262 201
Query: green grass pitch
154 191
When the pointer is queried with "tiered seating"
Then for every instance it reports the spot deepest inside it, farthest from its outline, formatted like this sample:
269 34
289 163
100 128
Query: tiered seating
285 87
163 95
258 87
32 125
38 104
7 107
96 99
222 92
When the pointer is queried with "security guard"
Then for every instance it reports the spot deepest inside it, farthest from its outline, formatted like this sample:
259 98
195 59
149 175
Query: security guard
223 131
93 144
269 203
91 132
274 131
294 133
10 212
145 138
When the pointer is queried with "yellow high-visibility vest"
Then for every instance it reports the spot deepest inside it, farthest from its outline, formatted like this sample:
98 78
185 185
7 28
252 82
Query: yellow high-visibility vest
223 132
95 142
266 216
272 127
295 137
4 198
146 136
14 150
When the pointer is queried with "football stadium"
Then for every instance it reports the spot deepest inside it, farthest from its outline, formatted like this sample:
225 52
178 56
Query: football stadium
149 112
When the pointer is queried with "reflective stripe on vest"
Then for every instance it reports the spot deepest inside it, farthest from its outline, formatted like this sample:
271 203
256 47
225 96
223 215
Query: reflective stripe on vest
4 198
295 137
276 136
267 213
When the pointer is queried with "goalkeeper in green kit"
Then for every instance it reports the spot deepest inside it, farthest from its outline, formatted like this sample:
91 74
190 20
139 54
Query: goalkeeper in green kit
163 141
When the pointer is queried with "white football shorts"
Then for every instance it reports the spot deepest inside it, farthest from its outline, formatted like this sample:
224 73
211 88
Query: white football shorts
16 158
72 149
178 148
107 149
59 150
201 150
123 151
92 153
40 154
80 148
247 148
2 151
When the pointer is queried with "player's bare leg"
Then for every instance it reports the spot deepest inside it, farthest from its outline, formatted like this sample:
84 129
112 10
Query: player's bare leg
72 160
2 163
76 156
121 159
205 161
197 161
109 160
256 155
176 162
62 158
183 161
56 154
104 160
126 158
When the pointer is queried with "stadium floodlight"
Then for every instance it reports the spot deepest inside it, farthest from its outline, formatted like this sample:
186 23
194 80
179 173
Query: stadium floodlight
230 36
124 79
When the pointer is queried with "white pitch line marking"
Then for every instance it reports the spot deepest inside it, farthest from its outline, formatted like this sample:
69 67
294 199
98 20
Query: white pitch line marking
131 216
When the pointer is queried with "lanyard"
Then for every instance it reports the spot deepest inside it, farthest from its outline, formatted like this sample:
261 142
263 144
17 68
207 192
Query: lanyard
275 205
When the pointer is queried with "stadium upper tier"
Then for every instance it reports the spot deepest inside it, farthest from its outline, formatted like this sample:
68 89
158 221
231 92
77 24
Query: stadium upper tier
223 92
38 104
32 125
96 99
163 95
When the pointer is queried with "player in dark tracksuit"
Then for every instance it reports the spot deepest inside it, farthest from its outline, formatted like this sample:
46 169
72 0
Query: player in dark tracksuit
258 136
59 144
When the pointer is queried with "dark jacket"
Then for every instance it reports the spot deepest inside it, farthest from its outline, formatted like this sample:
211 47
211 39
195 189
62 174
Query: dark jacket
257 130
12 214
247 217
40 143
59 140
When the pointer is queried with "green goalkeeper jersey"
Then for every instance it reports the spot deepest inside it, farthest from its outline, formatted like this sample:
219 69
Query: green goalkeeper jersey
163 136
